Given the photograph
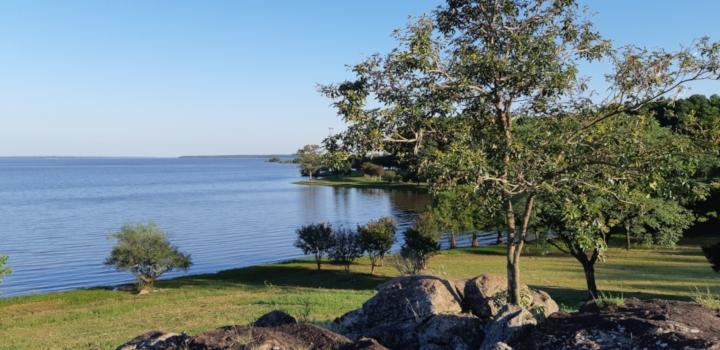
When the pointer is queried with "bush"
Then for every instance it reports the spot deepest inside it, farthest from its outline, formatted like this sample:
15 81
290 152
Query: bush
376 239
4 270
144 250
371 169
315 239
417 249
712 253
346 248
391 176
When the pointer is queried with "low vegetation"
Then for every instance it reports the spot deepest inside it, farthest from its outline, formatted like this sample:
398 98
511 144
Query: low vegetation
145 251
4 269
102 319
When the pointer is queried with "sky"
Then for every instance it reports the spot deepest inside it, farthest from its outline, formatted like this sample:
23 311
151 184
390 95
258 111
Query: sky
170 78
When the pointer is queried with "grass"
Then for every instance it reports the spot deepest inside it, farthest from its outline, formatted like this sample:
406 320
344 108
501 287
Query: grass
103 319
360 181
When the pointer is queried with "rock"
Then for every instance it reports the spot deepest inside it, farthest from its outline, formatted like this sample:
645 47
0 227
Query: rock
402 304
651 324
156 340
365 344
451 331
485 295
511 323
287 337
274 318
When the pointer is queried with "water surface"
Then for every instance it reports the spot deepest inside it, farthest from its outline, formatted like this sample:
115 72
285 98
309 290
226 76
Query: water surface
56 213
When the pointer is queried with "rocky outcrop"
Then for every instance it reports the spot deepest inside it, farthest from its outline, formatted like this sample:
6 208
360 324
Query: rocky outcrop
274 318
429 312
511 323
156 340
652 324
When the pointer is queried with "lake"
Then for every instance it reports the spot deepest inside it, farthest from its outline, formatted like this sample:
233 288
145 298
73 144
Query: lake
56 213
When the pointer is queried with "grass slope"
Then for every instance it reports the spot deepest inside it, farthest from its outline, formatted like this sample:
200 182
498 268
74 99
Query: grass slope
360 181
102 319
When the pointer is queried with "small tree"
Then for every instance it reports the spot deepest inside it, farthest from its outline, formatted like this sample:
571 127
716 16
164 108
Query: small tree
315 239
4 270
377 238
144 250
346 248
712 253
418 248
371 169
310 159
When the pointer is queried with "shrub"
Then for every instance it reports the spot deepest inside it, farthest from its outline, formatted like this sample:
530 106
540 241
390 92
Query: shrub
706 298
4 270
712 253
315 239
417 249
144 250
391 176
371 169
376 239
346 248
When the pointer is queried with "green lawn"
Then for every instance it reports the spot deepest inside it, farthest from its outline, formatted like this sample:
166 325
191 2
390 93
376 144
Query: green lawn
361 181
102 319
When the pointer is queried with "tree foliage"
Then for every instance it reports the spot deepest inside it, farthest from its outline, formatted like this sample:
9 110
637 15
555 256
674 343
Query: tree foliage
346 247
376 239
310 159
315 239
145 251
488 95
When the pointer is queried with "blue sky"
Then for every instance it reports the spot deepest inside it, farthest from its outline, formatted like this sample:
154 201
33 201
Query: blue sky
169 78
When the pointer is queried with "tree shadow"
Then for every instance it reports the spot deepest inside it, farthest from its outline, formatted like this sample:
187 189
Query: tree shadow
288 274
573 298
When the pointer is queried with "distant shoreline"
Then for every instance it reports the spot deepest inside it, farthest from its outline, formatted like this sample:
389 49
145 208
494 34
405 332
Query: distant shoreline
239 156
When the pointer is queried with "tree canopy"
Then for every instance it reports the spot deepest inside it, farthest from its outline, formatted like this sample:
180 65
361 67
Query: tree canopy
488 95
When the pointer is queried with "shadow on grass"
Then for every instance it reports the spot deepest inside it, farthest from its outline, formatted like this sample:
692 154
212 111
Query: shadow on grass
575 297
289 274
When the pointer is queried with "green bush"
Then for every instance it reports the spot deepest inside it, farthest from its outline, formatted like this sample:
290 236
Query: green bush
346 248
376 239
144 250
315 239
391 176
4 270
417 249
371 169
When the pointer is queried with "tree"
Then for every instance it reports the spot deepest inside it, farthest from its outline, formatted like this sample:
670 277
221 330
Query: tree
315 239
712 253
372 170
144 250
345 248
376 239
4 270
482 93
310 158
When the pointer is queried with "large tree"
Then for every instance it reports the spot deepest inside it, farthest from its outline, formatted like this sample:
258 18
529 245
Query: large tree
310 159
465 87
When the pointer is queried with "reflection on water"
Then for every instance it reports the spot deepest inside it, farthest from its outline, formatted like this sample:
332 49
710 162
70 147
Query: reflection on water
55 214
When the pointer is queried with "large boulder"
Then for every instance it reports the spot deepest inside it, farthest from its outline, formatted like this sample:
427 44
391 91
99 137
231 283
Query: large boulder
451 331
651 324
156 340
485 295
274 318
511 323
400 306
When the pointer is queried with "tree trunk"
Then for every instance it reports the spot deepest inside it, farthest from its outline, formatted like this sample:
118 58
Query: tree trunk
318 261
453 241
513 269
627 237
372 266
589 269
498 241
474 242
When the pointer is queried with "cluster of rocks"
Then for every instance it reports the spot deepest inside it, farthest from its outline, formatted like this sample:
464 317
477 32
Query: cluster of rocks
428 312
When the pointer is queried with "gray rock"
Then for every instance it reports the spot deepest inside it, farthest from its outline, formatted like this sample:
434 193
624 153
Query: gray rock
156 340
511 323
451 331
274 318
485 295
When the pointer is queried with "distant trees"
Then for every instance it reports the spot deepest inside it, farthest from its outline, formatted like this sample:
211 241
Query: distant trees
315 239
346 247
144 250
377 238
310 158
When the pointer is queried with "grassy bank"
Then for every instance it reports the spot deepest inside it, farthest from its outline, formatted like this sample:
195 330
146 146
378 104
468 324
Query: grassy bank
102 319
360 181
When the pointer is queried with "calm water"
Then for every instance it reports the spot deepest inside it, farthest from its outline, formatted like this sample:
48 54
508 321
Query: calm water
56 214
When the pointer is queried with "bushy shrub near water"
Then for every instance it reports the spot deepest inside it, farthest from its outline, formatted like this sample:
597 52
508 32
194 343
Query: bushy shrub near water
145 251
376 239
371 169
315 239
391 176
417 249
346 247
